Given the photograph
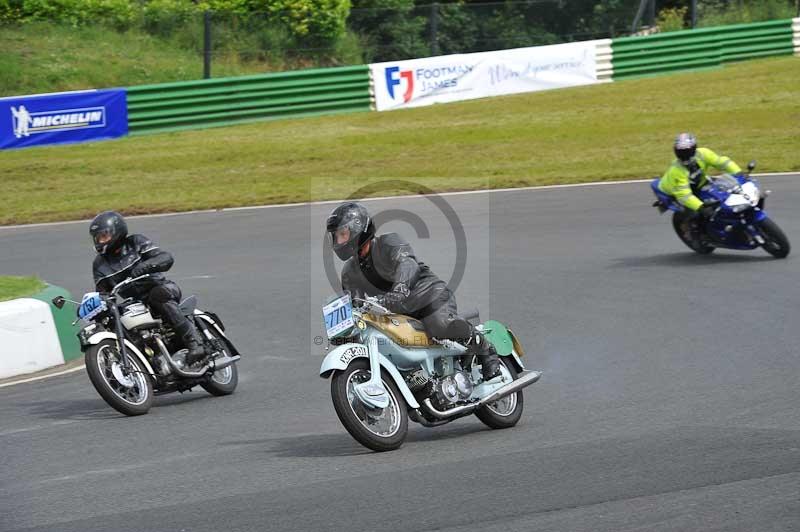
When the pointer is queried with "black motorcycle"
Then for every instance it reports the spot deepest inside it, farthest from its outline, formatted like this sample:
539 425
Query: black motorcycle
131 356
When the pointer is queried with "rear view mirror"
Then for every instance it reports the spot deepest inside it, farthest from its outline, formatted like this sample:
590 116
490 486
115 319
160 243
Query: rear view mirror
58 301
751 165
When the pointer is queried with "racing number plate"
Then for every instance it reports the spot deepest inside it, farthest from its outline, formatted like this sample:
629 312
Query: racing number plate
338 316
91 306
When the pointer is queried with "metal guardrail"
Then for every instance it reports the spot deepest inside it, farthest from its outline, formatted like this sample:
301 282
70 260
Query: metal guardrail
700 48
225 101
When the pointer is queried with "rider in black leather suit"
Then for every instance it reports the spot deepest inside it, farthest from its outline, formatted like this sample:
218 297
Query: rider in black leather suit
121 256
386 266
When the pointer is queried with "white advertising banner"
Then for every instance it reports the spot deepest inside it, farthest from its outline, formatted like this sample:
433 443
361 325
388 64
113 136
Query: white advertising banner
451 78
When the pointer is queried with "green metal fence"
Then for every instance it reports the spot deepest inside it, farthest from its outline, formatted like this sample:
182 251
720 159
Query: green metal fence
225 101
700 48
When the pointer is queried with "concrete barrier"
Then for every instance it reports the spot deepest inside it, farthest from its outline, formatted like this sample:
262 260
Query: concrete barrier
34 335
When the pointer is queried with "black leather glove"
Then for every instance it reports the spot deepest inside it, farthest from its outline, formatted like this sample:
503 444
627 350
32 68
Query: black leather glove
140 269
707 210
394 298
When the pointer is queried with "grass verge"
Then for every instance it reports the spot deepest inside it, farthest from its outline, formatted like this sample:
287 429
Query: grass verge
12 287
604 132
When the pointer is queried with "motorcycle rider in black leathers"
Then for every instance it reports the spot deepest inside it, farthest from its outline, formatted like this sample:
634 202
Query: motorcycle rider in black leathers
386 266
121 256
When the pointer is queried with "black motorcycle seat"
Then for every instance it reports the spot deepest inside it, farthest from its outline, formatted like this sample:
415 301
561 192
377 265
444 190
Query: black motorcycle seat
188 305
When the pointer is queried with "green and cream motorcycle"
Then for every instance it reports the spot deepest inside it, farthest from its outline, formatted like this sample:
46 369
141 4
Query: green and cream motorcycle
385 369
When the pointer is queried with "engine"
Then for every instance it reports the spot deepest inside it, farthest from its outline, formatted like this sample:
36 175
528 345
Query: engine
446 391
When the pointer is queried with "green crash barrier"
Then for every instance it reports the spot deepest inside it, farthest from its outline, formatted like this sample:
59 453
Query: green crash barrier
225 101
63 318
699 48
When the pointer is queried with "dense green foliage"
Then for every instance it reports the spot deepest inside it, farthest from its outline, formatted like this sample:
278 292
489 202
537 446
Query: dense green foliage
151 41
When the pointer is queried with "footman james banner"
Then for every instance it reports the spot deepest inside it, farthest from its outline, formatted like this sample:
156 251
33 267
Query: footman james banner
63 117
451 78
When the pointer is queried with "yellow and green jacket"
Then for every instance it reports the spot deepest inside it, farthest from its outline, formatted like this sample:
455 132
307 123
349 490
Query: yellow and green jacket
675 182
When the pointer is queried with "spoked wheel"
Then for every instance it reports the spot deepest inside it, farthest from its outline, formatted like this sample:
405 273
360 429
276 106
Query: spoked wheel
506 412
377 429
130 393
680 222
225 380
777 244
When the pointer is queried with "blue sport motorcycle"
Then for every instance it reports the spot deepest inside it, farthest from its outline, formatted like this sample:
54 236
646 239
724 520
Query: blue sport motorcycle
739 221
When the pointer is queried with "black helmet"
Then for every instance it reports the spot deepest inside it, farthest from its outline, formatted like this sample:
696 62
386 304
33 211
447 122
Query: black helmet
108 230
685 147
349 227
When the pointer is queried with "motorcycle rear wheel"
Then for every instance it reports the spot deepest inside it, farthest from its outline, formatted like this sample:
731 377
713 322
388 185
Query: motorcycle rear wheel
678 221
506 412
223 381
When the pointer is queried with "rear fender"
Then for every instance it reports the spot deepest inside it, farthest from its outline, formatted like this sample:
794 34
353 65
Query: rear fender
343 355
209 318
107 335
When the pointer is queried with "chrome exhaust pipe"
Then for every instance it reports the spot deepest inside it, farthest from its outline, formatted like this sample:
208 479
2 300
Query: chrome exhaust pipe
223 363
526 378
451 412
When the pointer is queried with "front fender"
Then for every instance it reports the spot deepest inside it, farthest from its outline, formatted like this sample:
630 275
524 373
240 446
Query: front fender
340 358
107 335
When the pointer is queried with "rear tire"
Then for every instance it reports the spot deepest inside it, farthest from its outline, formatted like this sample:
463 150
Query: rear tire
224 381
678 221
346 406
131 395
506 412
777 243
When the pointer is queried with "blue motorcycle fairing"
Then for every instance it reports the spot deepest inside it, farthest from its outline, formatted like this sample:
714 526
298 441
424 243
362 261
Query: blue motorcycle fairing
742 225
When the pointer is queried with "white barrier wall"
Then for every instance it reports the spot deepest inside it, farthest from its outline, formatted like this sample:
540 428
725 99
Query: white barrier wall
796 35
28 338
451 78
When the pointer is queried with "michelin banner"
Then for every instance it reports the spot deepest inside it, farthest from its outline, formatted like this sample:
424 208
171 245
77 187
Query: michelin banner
451 78
61 118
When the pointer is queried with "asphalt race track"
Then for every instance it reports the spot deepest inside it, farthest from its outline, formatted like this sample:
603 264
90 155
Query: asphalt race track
668 403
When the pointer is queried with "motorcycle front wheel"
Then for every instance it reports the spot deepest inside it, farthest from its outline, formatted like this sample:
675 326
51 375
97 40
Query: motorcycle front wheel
129 393
377 429
777 244
681 225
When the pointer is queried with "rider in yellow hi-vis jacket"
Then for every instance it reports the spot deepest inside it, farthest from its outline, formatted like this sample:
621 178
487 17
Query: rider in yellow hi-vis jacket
687 174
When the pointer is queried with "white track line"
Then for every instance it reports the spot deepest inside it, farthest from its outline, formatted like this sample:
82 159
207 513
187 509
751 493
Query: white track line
42 377
381 198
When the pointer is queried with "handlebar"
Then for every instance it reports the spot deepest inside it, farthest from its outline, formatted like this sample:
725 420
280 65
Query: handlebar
126 282
372 302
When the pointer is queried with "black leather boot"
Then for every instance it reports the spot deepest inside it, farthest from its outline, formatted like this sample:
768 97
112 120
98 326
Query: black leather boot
490 361
192 341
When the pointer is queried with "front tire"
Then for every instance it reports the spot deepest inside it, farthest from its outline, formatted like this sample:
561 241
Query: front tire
379 430
506 412
679 224
130 394
225 380
777 244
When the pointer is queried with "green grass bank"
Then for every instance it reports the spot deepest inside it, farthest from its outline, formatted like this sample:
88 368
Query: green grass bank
12 287
604 132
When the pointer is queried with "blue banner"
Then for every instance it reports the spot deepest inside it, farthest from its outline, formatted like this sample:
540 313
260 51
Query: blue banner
62 118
